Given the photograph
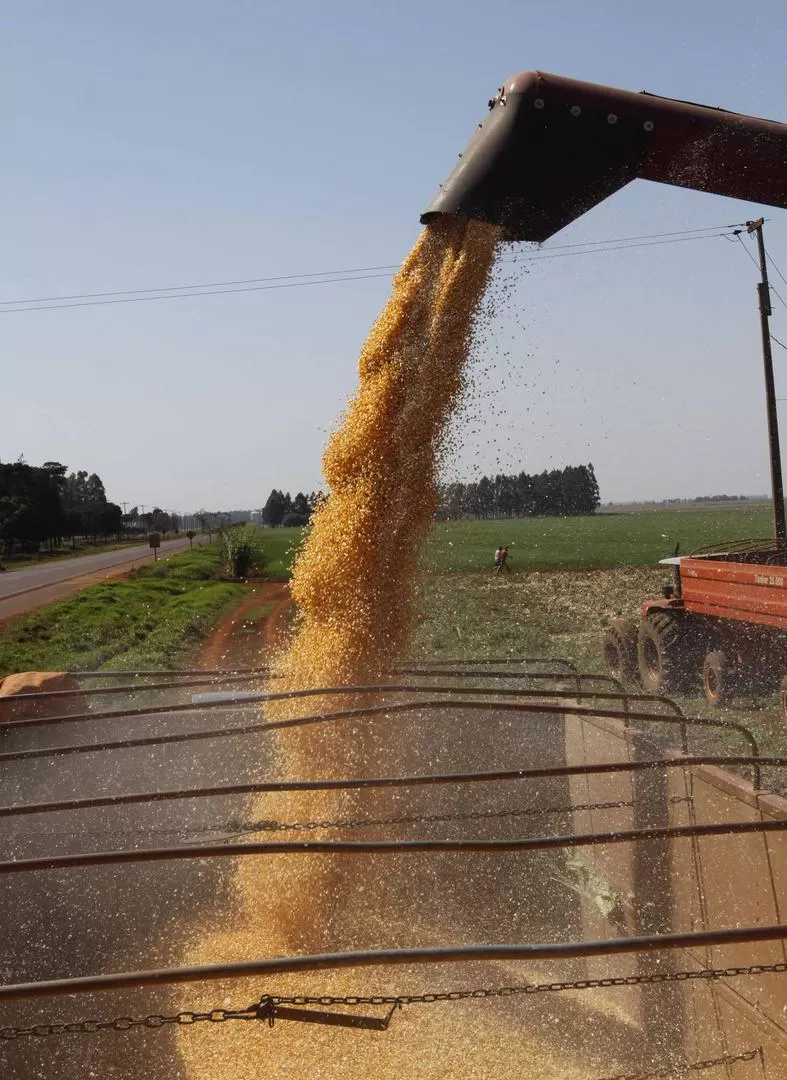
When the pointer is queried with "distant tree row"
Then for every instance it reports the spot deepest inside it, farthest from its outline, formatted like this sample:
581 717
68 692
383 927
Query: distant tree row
559 492
155 520
282 509
46 504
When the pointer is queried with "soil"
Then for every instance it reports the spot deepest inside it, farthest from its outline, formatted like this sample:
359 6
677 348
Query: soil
249 635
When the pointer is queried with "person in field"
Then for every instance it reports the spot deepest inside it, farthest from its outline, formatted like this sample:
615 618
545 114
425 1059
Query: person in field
501 560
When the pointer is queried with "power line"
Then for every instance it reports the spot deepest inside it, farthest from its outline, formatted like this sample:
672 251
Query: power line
186 295
320 273
649 236
198 285
775 267
738 235
619 247
781 275
178 292
773 264
783 346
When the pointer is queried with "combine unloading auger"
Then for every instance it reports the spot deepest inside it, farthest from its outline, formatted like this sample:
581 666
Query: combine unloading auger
552 148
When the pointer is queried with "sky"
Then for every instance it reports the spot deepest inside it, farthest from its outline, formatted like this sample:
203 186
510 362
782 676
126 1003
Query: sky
159 144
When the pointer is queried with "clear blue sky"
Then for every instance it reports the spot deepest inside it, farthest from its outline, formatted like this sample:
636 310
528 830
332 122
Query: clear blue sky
162 143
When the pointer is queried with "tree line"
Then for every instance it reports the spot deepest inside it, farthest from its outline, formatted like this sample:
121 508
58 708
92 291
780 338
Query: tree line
282 509
46 504
559 492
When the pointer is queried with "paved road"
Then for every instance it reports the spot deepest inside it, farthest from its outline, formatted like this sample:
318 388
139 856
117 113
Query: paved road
35 586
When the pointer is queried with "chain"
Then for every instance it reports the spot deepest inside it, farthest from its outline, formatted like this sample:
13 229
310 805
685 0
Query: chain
357 823
235 827
125 1023
265 1008
697 1066
654 978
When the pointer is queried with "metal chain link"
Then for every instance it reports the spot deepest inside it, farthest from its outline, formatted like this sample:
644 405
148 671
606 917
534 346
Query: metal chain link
235 828
356 823
264 1009
654 978
696 1066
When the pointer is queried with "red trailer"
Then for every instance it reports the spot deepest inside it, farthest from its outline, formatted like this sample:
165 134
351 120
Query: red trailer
723 620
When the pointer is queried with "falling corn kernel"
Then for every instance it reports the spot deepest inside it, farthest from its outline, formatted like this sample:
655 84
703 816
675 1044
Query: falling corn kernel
353 581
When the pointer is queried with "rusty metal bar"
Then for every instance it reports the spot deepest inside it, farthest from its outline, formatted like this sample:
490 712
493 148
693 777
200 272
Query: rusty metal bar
530 710
280 965
96 691
384 847
166 672
132 798
333 691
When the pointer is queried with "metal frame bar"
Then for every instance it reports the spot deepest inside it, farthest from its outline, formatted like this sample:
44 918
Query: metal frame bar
384 847
373 782
530 710
279 965
333 691
97 691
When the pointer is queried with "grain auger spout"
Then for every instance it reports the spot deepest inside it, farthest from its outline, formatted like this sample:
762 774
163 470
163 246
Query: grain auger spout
552 148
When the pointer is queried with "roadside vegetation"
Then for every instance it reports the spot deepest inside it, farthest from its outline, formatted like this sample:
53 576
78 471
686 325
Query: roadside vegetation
154 618
157 616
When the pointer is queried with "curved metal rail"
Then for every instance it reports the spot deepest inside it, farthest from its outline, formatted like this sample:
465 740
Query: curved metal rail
374 782
280 965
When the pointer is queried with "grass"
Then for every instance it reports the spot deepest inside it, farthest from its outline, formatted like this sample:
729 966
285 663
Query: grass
604 540
154 618
280 547
570 578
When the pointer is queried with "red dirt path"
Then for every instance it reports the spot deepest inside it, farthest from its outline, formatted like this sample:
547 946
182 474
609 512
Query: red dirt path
247 638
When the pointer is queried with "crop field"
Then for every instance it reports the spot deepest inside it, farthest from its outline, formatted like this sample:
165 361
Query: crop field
570 577
626 537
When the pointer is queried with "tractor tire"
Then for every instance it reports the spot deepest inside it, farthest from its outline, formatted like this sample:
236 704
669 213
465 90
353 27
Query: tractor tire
620 651
666 653
719 679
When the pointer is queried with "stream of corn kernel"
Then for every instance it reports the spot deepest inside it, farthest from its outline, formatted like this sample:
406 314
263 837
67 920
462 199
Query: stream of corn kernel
354 584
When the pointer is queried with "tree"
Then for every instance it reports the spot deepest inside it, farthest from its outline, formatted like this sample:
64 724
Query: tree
275 508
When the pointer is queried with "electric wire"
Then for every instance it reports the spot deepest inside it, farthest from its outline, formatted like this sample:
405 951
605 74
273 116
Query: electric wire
775 267
773 264
288 281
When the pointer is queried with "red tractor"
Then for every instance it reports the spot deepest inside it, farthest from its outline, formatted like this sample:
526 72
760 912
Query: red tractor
723 621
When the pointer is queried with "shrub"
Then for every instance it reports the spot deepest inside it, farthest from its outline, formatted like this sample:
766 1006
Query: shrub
243 552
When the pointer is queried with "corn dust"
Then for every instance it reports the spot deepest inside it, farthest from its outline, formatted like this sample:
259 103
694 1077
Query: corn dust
353 581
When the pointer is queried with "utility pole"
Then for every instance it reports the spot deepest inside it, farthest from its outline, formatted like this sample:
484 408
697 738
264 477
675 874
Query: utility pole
777 487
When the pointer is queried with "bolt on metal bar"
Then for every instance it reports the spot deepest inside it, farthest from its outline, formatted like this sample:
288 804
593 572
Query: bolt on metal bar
529 711
384 847
131 798
349 691
280 965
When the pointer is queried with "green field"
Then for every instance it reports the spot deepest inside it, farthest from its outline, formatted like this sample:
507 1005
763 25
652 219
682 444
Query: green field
280 546
628 538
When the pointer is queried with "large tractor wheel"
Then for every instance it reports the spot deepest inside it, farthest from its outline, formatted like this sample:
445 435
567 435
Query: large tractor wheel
620 651
666 653
719 678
